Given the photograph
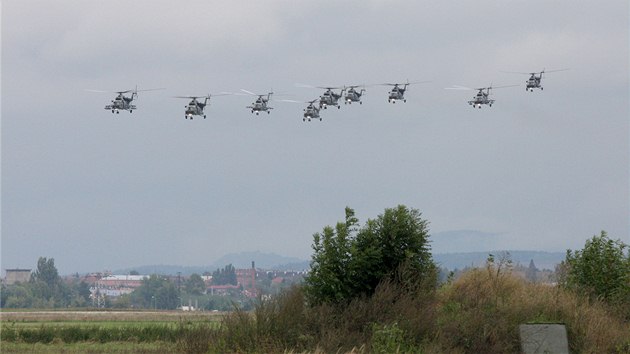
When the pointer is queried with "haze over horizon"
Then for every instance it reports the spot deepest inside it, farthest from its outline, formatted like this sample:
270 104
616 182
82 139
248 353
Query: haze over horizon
94 190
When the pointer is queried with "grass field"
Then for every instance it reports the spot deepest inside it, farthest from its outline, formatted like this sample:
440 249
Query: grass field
99 331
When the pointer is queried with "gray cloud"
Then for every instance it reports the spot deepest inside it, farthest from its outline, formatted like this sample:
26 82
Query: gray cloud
542 170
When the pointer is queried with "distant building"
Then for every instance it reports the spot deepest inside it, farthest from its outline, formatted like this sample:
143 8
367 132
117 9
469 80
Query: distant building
246 278
17 276
116 285
222 289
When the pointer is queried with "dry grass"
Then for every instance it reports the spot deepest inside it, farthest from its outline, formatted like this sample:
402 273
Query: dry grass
481 311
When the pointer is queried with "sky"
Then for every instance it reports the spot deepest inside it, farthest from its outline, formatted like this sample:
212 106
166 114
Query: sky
542 170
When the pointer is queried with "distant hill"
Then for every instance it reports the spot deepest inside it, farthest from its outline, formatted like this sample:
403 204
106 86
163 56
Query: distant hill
262 260
238 260
464 241
455 260
542 260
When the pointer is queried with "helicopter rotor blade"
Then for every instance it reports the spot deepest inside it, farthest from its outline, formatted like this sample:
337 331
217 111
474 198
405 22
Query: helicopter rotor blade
458 87
516 72
100 91
553 71
496 87
151 89
290 101
249 92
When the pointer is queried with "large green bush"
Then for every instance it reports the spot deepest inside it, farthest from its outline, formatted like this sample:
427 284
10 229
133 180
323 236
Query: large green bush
349 262
601 270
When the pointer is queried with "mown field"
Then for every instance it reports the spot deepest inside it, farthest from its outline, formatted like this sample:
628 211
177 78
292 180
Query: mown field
100 331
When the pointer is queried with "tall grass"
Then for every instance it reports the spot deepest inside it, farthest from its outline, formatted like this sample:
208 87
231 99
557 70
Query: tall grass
481 311
478 313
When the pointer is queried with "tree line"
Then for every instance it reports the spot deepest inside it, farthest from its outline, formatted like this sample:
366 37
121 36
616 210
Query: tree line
47 289
349 261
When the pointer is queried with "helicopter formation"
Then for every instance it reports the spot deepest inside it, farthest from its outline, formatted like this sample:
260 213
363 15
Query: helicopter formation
331 97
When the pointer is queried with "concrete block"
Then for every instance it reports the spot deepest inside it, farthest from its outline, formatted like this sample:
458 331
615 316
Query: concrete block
544 338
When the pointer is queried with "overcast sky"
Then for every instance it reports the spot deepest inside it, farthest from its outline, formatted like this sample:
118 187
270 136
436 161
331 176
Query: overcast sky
537 171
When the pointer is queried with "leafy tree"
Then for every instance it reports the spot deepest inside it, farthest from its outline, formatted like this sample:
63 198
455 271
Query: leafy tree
395 244
328 280
349 262
601 269
17 296
156 291
46 272
46 284
530 273
195 285
224 276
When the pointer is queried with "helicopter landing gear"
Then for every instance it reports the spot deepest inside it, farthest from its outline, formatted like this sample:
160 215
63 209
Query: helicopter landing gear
405 101
338 107
117 112
268 112
320 119
130 111
112 111
257 113
204 116
360 102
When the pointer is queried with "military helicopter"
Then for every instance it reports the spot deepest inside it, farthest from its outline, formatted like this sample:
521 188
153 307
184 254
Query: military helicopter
195 108
534 79
483 94
397 93
122 102
330 97
261 103
352 95
311 111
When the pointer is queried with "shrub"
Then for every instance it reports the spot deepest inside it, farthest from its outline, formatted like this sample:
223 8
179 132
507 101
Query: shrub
600 270
481 311
350 262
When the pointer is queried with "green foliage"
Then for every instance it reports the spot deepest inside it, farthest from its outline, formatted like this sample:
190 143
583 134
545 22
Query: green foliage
388 339
349 262
156 292
224 276
275 324
329 278
45 289
600 269
46 285
83 333
195 285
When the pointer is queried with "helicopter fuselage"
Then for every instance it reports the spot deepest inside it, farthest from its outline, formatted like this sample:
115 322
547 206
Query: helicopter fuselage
533 82
260 105
480 99
397 94
311 112
121 103
329 98
195 108
353 96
